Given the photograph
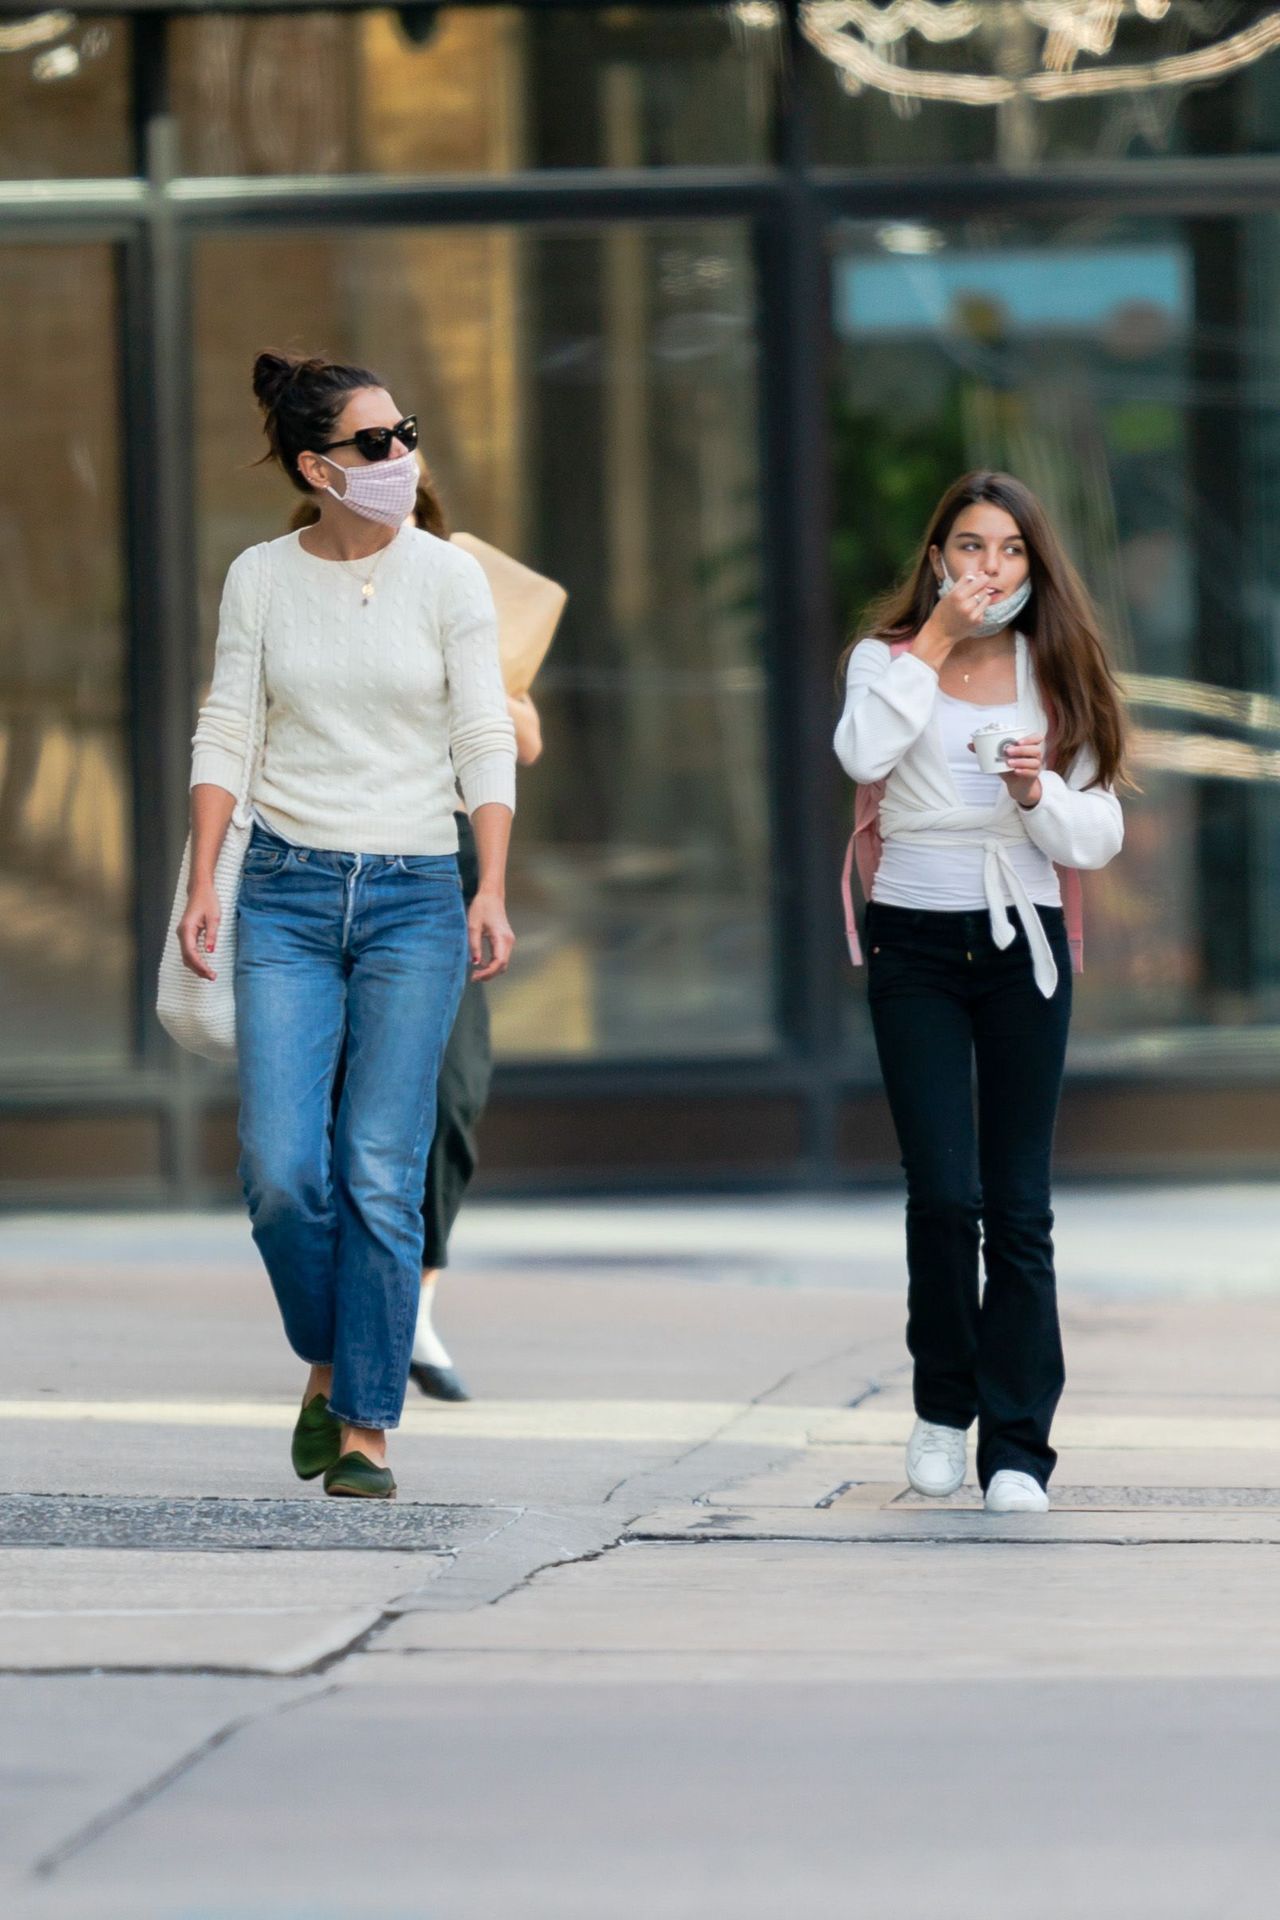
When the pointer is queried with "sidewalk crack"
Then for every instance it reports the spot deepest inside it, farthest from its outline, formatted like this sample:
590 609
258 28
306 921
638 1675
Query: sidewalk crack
86 1836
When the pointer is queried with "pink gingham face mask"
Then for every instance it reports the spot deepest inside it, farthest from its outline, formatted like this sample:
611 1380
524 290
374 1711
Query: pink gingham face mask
384 491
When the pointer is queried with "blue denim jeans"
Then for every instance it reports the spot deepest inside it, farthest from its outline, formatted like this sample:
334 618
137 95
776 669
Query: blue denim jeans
367 954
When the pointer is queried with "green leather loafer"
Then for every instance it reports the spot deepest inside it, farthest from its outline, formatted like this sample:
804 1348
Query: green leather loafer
356 1476
316 1439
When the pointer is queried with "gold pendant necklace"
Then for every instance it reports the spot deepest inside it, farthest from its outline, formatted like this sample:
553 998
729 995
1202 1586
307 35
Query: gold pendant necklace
366 586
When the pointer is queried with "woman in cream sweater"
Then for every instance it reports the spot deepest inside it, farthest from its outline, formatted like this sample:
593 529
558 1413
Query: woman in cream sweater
381 681
969 960
462 1089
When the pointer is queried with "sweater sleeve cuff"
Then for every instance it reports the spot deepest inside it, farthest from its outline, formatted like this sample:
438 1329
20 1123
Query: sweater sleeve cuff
1046 808
215 767
916 663
490 779
910 688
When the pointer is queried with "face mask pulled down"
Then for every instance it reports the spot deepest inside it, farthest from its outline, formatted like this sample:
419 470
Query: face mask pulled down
999 614
384 491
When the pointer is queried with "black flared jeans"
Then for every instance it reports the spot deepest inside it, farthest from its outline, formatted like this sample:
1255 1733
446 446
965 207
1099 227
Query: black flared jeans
972 1056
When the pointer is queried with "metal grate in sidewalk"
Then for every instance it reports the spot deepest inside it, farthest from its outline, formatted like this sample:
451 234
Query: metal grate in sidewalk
213 1526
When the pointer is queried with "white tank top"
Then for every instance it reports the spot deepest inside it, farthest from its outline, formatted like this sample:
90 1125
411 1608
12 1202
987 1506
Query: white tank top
949 879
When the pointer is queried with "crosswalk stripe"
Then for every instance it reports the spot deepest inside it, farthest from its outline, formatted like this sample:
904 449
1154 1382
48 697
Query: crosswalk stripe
663 1422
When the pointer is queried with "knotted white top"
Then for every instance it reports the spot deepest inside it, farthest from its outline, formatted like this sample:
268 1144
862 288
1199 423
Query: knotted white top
888 731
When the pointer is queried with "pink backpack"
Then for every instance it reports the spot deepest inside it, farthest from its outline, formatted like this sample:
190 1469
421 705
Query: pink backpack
866 846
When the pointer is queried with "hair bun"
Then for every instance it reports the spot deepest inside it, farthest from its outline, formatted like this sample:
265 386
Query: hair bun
302 397
272 373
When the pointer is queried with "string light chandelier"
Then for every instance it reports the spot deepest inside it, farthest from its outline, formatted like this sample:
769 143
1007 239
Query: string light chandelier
866 41
37 30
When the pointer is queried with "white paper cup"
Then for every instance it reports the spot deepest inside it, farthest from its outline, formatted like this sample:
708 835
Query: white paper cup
989 743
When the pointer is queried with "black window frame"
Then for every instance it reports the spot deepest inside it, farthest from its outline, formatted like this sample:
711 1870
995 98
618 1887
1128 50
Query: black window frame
791 206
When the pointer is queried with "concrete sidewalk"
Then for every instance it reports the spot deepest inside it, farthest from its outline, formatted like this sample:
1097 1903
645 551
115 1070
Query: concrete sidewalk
654 1627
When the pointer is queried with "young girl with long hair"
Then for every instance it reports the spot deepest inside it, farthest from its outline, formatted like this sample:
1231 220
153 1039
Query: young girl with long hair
374 646
969 956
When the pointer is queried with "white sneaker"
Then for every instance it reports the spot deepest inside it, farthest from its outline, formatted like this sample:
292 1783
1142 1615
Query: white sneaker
936 1459
1012 1492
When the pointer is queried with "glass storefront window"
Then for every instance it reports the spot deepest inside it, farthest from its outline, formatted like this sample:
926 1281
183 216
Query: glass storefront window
1127 370
430 90
64 96
589 404
941 85
66 950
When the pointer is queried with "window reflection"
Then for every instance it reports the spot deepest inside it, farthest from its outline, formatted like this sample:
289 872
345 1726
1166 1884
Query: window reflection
65 948
64 96
424 89
1128 372
588 402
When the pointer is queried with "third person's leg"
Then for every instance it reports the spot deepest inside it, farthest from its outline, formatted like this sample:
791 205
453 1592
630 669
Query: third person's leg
462 1095
463 1090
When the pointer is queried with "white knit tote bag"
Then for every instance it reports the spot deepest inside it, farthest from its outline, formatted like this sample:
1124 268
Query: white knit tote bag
201 1014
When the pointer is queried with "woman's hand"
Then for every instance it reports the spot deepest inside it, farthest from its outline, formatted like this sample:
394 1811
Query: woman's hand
528 726
957 616
1025 760
198 928
489 934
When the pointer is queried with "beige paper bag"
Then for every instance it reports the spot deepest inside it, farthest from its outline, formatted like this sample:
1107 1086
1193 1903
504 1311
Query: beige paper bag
529 608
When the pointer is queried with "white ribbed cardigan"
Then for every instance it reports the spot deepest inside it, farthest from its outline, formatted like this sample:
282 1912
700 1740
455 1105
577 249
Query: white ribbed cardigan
371 707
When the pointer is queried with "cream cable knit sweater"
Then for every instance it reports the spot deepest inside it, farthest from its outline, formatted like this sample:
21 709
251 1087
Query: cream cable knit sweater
372 708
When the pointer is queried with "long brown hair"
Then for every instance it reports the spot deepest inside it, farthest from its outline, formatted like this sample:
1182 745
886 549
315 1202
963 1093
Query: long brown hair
428 511
1062 625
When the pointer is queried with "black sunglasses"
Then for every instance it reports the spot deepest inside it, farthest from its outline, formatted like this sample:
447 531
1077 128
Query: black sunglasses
375 442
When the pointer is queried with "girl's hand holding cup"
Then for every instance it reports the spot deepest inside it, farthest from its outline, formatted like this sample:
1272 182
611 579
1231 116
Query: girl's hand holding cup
1025 762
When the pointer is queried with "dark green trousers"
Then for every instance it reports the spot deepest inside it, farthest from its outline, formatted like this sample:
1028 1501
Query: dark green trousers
465 1074
461 1092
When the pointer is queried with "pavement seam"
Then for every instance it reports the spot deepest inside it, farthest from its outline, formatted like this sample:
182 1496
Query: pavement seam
358 1643
710 1495
739 1414
56 1858
549 1566
514 1515
1002 1537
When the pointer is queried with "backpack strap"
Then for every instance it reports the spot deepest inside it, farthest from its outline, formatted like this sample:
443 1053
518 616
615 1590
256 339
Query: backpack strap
865 844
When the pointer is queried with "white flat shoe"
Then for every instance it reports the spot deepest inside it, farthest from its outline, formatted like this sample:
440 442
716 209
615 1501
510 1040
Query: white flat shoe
936 1459
1012 1492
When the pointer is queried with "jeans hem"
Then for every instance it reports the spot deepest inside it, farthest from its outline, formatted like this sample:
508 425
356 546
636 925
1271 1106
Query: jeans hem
375 1424
937 1418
